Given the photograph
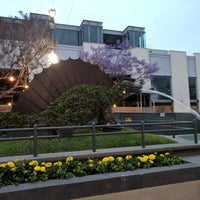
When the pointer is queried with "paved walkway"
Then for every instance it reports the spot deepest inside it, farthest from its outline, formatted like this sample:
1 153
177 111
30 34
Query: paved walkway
184 148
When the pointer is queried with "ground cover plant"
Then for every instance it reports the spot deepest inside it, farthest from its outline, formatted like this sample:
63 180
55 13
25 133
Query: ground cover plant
17 172
25 147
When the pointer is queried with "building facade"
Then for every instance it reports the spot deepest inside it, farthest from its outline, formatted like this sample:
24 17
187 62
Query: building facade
178 75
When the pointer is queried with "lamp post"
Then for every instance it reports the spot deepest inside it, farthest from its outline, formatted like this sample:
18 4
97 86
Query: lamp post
52 56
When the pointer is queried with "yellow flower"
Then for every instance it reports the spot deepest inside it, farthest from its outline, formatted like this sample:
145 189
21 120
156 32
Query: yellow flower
151 161
3 165
33 162
152 157
43 163
91 165
99 162
167 154
91 161
139 158
48 164
120 159
11 164
37 168
42 169
58 163
16 160
111 158
161 155
105 159
128 157
144 159
69 159
13 169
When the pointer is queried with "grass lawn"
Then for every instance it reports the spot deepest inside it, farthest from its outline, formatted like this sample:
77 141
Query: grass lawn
25 147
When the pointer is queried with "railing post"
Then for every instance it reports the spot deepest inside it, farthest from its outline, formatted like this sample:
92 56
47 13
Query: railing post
195 131
93 137
173 132
35 140
142 134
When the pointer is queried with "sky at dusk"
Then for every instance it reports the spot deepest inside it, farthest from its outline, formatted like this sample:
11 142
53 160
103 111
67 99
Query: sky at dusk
169 25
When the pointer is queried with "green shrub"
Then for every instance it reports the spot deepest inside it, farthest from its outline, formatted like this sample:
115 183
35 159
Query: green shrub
80 105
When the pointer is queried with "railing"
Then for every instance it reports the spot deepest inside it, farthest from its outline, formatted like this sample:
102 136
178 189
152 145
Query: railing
141 127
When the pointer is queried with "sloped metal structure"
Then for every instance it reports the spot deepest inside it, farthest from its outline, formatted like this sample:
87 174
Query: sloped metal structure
49 84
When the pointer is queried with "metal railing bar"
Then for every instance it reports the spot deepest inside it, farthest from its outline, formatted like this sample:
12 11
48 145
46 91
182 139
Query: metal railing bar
142 127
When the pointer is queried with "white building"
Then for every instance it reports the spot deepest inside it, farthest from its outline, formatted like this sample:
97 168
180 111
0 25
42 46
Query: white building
178 75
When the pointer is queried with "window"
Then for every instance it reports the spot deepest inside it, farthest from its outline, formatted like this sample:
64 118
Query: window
111 39
67 37
161 84
90 33
192 88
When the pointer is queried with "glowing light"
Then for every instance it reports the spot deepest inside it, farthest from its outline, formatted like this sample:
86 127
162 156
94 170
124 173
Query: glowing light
114 105
11 78
124 92
26 86
9 104
52 13
53 58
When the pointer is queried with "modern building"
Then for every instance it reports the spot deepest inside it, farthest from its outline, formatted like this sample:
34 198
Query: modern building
178 75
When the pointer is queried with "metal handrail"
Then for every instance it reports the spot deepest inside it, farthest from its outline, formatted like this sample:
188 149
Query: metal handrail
142 124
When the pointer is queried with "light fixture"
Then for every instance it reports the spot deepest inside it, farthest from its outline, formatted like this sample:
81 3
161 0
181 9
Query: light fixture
11 78
9 104
26 86
124 92
114 105
52 13
53 57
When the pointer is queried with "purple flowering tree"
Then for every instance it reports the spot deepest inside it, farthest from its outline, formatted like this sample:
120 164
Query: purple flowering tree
118 62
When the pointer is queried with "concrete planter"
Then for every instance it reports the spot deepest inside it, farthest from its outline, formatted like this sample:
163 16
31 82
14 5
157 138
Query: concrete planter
102 184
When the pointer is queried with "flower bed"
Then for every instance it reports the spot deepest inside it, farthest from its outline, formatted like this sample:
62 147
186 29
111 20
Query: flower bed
17 172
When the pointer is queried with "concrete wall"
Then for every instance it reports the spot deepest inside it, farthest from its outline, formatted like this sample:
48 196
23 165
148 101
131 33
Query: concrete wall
156 182
142 54
179 79
180 191
197 61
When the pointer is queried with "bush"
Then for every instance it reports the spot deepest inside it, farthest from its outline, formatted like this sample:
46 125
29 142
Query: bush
80 105
12 119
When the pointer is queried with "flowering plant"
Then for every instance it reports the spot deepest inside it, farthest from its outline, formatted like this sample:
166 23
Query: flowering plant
16 172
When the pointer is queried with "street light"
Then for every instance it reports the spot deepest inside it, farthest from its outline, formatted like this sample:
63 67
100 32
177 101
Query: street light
52 13
52 56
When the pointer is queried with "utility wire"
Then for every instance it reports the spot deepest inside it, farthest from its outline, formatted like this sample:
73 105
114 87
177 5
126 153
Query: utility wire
70 11
171 11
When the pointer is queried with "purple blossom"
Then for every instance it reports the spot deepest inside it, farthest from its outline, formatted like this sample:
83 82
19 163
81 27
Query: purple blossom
117 61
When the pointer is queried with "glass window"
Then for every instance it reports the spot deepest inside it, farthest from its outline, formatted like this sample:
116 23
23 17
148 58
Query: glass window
72 37
111 39
161 84
89 33
85 33
192 88
139 39
93 34
67 37
136 38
